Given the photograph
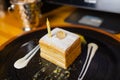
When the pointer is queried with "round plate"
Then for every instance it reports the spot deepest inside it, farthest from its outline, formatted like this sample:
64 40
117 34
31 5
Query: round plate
104 66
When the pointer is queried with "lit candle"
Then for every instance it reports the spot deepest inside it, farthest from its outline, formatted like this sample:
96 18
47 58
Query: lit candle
48 28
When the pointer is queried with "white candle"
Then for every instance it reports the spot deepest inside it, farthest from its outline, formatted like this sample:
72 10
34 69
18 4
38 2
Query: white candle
48 28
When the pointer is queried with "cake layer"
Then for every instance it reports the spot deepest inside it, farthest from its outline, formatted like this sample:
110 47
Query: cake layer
53 51
63 62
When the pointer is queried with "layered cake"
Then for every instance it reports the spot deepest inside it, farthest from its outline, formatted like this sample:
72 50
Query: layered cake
62 48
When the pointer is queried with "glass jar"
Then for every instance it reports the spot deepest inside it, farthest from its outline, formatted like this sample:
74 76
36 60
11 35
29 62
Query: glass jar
28 11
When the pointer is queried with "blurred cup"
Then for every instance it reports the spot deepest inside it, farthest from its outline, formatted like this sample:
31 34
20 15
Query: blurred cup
28 11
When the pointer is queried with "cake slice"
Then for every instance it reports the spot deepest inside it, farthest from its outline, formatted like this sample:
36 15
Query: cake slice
62 48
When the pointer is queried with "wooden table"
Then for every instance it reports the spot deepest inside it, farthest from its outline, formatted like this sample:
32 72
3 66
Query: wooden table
11 28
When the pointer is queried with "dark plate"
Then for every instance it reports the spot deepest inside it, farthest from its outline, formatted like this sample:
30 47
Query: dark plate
104 66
